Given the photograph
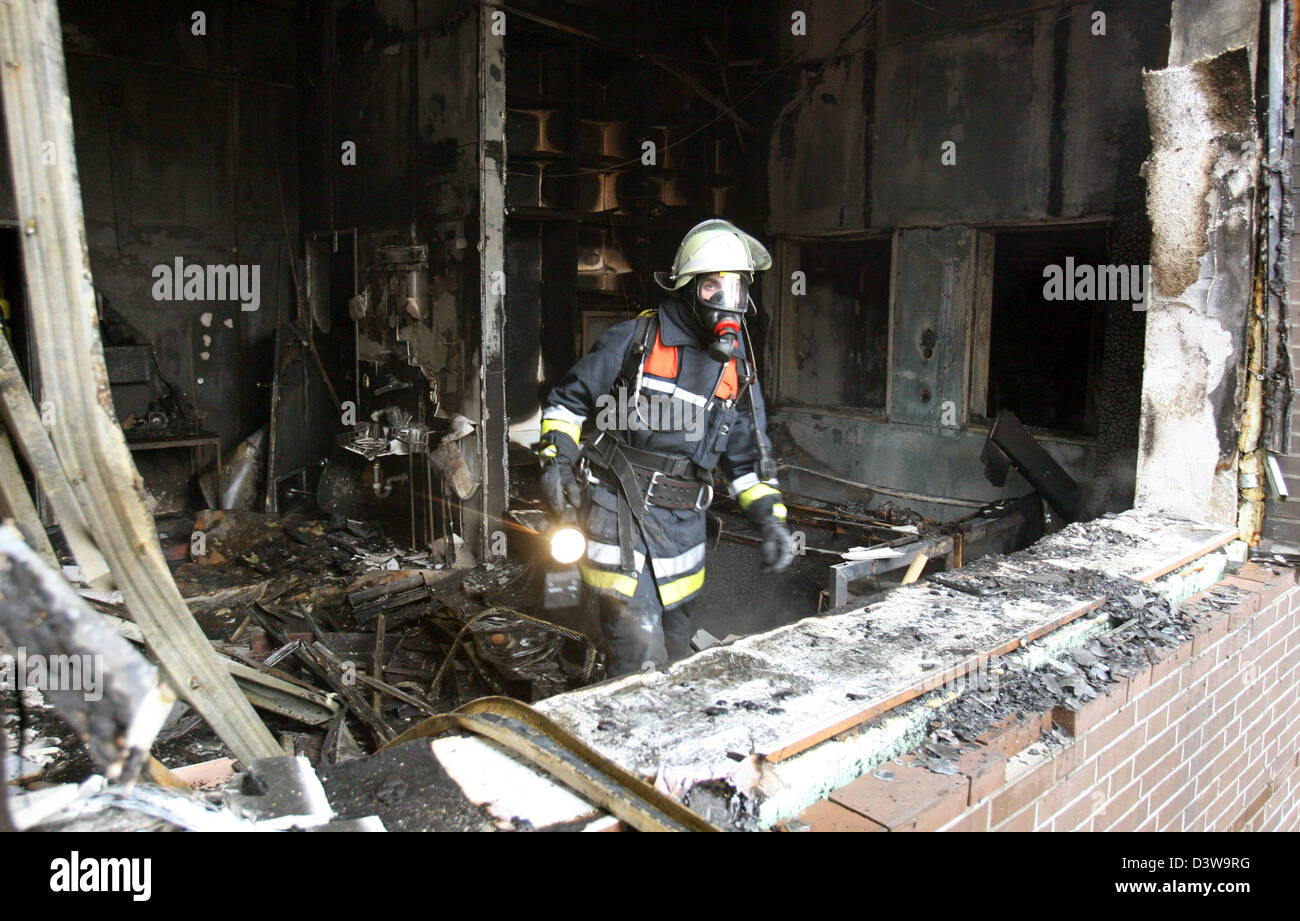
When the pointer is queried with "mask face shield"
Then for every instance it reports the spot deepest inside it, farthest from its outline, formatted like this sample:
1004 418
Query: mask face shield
726 291
721 300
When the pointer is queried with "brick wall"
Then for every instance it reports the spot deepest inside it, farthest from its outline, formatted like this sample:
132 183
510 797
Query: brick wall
1206 738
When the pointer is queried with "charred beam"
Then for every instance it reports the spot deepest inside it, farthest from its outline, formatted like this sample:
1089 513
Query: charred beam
105 690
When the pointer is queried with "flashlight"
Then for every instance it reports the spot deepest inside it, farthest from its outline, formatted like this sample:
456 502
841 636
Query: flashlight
568 544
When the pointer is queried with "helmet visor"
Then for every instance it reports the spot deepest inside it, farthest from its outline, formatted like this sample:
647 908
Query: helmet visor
723 291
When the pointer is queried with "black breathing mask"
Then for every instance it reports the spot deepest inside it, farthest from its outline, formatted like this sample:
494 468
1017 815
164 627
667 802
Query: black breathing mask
721 300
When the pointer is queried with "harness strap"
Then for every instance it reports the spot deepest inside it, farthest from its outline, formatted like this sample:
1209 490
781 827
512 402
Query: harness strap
631 499
647 327
600 450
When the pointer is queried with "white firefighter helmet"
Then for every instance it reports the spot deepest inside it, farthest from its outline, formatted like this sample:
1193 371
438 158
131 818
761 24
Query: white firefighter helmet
714 246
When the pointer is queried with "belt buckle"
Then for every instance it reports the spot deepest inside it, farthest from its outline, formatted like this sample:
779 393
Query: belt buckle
706 492
655 477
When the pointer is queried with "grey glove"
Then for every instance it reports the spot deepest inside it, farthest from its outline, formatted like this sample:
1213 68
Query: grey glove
560 488
778 546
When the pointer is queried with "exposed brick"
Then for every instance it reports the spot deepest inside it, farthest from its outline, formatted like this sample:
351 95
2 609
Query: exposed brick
1120 775
1232 773
1222 811
987 770
1085 778
1169 785
1242 617
1267 656
1172 815
1278 583
1080 813
1180 705
977 819
1120 804
1129 808
1271 586
1207 632
1198 753
1256 578
1156 697
1052 801
1107 731
1195 742
1125 823
1160 771
828 816
1226 694
1024 820
1017 732
1277 634
1077 722
1157 722
915 800
1165 661
1021 792
1145 758
1199 667
1189 726
1195 818
1252 712
1290 659
1221 754
1254 648
1252 809
1069 761
1137 683
1251 790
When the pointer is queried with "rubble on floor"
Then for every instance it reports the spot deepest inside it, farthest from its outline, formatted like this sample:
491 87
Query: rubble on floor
272 794
341 638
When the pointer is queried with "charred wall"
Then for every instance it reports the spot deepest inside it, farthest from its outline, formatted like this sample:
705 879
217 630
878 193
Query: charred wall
1204 156
185 151
989 117
389 147
388 150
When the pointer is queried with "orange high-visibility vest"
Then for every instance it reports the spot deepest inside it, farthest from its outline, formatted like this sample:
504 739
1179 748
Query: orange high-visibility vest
662 362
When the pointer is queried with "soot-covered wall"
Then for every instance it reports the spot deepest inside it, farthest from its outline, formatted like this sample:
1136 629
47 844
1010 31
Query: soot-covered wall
939 128
185 151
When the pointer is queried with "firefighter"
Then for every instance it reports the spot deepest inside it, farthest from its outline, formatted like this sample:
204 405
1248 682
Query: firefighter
632 435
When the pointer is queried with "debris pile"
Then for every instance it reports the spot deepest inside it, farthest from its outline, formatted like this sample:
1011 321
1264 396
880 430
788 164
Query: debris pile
273 794
1142 626
342 639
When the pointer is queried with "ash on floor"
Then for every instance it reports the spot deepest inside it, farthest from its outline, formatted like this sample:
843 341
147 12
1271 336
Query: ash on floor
406 787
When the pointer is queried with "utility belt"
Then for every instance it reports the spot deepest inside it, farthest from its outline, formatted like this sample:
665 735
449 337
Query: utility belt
663 480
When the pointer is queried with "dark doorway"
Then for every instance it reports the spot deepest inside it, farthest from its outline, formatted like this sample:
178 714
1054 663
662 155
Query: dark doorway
1045 351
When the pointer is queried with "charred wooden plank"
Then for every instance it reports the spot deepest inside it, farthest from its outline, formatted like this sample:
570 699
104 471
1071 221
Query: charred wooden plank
101 685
